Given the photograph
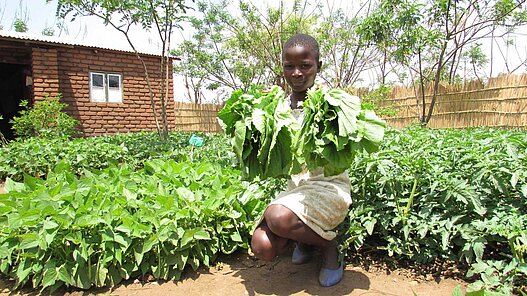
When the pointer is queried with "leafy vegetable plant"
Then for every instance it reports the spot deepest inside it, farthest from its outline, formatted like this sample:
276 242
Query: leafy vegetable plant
261 127
269 142
118 223
335 129
457 195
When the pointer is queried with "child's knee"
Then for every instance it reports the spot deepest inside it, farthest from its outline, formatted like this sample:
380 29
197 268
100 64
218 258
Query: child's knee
281 220
262 247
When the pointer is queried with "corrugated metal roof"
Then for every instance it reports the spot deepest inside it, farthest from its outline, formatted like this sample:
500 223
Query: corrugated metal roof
51 40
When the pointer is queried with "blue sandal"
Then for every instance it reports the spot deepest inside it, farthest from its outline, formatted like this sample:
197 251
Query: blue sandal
330 277
301 257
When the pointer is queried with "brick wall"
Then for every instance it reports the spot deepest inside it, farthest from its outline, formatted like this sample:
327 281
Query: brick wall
14 53
66 71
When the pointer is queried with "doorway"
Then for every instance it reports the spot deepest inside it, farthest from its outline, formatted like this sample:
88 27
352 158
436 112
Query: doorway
14 88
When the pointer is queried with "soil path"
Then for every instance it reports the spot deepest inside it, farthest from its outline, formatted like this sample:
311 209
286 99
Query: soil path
241 274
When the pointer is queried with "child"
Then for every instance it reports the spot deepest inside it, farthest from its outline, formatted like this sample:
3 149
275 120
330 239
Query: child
313 204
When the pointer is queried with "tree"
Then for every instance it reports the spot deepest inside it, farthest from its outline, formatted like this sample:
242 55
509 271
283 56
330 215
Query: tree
21 19
48 31
344 56
234 47
160 15
476 58
429 37
234 52
20 26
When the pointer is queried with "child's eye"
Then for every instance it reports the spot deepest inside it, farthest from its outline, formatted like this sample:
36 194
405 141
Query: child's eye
288 67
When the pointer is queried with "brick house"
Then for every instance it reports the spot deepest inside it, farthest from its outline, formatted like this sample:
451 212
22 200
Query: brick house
105 89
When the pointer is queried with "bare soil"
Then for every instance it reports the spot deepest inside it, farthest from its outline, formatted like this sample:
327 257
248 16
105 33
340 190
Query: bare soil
242 274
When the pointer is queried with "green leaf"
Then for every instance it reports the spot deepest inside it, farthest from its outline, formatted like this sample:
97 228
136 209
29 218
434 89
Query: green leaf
478 248
28 241
64 274
201 234
23 270
48 224
236 237
50 276
12 186
457 291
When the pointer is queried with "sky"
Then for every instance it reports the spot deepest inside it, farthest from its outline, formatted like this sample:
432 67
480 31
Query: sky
38 15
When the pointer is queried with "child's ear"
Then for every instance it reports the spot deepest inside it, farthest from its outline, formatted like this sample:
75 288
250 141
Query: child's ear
319 66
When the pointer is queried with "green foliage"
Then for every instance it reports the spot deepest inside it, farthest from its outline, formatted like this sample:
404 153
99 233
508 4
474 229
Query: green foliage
343 55
374 98
334 130
123 13
430 37
476 57
20 25
235 52
459 195
261 128
426 195
37 157
48 31
44 120
269 142
394 27
116 224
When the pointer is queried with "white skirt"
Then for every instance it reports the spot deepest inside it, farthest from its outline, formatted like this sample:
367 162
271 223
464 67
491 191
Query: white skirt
322 203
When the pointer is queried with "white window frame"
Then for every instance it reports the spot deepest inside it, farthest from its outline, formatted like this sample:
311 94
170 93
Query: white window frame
106 94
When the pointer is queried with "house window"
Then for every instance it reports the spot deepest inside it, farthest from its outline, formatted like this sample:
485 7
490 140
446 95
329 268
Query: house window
105 87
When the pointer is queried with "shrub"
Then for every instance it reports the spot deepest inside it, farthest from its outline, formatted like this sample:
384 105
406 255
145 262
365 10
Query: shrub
44 120
373 100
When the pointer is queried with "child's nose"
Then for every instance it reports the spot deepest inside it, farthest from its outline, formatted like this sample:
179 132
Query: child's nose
297 72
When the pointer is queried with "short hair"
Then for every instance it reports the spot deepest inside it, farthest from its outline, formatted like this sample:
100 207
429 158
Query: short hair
303 40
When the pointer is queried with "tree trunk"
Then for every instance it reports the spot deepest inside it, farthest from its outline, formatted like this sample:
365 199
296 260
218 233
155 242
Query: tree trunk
437 79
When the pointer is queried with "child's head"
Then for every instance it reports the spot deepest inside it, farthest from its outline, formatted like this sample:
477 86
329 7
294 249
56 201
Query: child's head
301 62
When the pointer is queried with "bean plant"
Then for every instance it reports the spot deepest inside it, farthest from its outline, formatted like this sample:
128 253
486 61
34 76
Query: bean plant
118 223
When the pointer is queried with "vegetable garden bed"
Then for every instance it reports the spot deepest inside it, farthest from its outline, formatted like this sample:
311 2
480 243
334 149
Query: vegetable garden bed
68 218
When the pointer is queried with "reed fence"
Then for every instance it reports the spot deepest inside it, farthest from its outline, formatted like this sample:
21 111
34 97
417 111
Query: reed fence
197 117
501 102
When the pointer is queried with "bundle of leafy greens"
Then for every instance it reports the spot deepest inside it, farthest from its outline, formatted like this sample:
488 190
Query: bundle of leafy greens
268 141
262 128
334 130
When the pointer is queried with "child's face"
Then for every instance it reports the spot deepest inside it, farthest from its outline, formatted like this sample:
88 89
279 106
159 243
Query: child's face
300 67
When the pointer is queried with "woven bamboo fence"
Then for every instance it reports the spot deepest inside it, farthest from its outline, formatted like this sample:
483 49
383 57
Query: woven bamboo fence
502 102
197 117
